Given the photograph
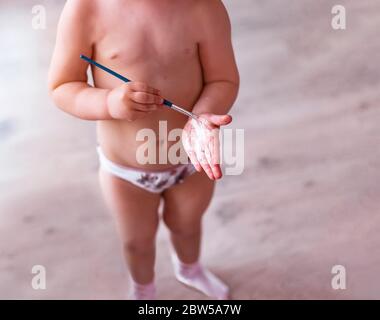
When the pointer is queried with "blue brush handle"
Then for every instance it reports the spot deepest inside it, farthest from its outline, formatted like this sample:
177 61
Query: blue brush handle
115 74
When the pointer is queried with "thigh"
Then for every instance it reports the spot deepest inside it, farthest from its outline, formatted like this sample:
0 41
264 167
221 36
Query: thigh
186 203
135 209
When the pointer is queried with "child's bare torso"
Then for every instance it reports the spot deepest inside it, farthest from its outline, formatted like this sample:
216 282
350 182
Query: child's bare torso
153 42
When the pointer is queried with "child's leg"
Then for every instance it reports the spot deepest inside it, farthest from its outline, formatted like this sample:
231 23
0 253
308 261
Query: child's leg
184 207
137 219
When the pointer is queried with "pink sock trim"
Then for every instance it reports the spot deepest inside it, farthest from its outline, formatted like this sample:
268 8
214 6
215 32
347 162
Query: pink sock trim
198 277
143 291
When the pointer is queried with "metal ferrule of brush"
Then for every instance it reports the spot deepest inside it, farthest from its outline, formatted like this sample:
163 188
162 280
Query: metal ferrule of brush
179 109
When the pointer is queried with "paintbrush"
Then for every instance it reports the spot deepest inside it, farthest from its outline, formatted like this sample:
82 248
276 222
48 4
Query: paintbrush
167 103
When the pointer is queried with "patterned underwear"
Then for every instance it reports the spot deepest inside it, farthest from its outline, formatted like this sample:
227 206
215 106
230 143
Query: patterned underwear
152 181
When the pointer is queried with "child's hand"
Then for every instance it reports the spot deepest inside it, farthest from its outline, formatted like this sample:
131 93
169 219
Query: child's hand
132 101
201 142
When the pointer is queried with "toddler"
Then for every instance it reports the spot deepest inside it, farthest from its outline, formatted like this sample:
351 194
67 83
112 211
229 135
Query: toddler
179 50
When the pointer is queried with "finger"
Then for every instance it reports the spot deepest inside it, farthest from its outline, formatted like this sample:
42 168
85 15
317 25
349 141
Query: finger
204 163
218 120
214 166
190 151
206 167
216 171
199 149
209 152
145 107
146 98
143 87
214 148
194 160
139 115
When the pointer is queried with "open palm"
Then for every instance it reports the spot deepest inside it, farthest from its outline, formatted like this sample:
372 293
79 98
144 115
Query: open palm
201 142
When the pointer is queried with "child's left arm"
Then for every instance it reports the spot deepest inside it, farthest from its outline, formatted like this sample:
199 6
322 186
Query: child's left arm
221 85
220 73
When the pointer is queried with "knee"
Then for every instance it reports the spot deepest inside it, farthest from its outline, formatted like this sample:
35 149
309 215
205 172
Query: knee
139 246
183 228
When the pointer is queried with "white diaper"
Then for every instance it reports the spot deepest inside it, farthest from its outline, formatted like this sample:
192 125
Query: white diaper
152 181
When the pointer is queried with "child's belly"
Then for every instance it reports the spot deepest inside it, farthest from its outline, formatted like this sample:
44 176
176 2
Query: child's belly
179 82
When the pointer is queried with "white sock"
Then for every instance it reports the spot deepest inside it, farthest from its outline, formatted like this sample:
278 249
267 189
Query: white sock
143 291
196 276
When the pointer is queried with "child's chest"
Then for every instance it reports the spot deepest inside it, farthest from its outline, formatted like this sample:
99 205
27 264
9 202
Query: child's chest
138 36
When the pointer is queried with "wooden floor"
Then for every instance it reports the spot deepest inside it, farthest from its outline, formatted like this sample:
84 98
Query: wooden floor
308 198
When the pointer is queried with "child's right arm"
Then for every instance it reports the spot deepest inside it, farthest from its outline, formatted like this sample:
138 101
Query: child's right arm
68 73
